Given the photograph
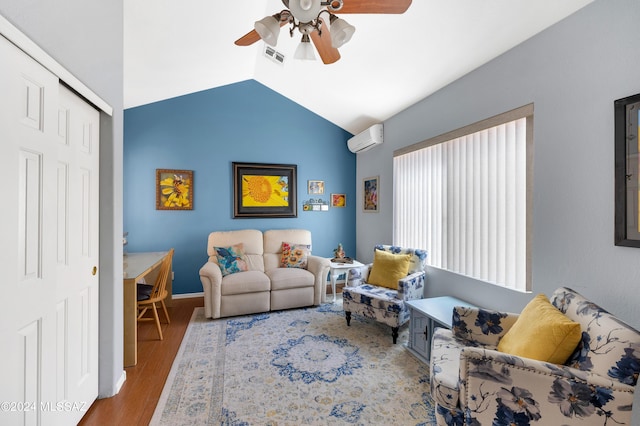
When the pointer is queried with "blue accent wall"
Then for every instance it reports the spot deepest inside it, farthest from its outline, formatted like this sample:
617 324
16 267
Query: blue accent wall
206 132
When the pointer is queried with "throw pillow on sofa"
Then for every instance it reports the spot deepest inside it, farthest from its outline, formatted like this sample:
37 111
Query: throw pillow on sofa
231 259
294 255
542 332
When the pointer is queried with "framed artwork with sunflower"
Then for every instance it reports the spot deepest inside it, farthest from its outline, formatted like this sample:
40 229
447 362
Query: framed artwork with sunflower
264 190
174 189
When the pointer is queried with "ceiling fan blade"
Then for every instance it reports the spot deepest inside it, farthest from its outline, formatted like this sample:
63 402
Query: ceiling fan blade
375 6
248 39
327 52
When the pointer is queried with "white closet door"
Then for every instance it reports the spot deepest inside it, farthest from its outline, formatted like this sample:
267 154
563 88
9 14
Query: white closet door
49 229
77 254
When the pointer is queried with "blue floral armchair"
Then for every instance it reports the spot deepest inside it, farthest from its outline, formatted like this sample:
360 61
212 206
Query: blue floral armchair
380 303
473 384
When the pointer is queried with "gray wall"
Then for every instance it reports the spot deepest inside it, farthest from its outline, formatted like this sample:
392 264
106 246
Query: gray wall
86 38
572 72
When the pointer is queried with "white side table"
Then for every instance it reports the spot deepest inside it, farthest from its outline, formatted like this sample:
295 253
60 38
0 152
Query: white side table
338 269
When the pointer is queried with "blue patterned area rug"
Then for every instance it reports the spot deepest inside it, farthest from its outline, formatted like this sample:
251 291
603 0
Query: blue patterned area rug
295 367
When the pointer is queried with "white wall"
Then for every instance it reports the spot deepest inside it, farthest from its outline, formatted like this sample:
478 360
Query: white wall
86 38
572 72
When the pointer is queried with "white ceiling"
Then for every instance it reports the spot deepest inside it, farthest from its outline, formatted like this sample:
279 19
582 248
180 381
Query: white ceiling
172 48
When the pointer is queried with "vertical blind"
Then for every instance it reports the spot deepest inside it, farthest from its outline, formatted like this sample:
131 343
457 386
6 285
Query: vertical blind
465 201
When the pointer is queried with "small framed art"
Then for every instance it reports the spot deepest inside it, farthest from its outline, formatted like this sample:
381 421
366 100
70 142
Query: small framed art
338 200
315 186
174 189
370 194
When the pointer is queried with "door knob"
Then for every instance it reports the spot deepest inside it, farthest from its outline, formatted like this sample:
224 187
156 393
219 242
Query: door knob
94 270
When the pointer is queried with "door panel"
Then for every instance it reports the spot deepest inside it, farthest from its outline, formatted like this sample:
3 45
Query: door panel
77 285
49 321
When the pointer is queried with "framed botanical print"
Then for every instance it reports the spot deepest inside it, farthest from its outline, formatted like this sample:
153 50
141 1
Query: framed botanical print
174 189
264 190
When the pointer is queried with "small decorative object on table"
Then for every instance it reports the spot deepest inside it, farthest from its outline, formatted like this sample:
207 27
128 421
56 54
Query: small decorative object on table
339 257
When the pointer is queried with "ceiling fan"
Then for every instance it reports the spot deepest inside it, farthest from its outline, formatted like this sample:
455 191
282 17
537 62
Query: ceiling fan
310 18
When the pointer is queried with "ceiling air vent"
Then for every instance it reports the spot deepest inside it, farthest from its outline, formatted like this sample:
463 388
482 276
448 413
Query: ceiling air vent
273 54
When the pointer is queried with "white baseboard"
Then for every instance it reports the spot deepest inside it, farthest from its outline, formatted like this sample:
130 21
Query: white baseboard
121 380
187 295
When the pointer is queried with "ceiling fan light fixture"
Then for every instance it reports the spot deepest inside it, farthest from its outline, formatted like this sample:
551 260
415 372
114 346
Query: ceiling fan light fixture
305 10
341 31
268 28
304 50
306 4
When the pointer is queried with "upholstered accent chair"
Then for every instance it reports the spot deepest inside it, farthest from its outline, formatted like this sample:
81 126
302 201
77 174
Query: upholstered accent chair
365 296
473 383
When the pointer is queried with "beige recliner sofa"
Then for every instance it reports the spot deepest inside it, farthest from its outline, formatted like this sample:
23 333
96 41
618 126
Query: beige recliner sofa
265 286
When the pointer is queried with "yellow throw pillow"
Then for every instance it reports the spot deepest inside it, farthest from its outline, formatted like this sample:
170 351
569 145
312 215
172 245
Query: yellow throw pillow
542 332
388 268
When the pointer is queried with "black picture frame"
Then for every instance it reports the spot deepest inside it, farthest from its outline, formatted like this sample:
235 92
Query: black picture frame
264 190
627 171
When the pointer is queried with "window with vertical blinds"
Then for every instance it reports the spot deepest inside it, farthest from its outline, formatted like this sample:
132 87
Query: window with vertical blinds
466 198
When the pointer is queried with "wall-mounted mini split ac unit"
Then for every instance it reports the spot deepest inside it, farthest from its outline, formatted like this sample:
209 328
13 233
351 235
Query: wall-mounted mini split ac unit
366 140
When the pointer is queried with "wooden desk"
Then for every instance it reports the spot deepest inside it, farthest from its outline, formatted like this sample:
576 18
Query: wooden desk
138 266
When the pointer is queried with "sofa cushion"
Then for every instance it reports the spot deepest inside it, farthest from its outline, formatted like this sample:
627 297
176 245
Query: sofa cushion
375 302
251 240
231 259
294 255
541 332
388 268
273 240
284 278
245 282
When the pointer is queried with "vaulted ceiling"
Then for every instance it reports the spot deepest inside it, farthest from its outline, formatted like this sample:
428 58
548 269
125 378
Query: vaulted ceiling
172 48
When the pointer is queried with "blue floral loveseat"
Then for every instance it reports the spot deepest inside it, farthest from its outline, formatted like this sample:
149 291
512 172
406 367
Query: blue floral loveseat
473 384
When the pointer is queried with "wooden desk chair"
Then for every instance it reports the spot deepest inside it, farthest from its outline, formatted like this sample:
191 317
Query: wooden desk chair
149 295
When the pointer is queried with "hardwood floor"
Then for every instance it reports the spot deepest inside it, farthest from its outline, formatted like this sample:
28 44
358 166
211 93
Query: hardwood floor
136 401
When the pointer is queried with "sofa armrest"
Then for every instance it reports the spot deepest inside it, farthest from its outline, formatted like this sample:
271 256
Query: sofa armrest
411 287
483 326
319 267
495 385
211 278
